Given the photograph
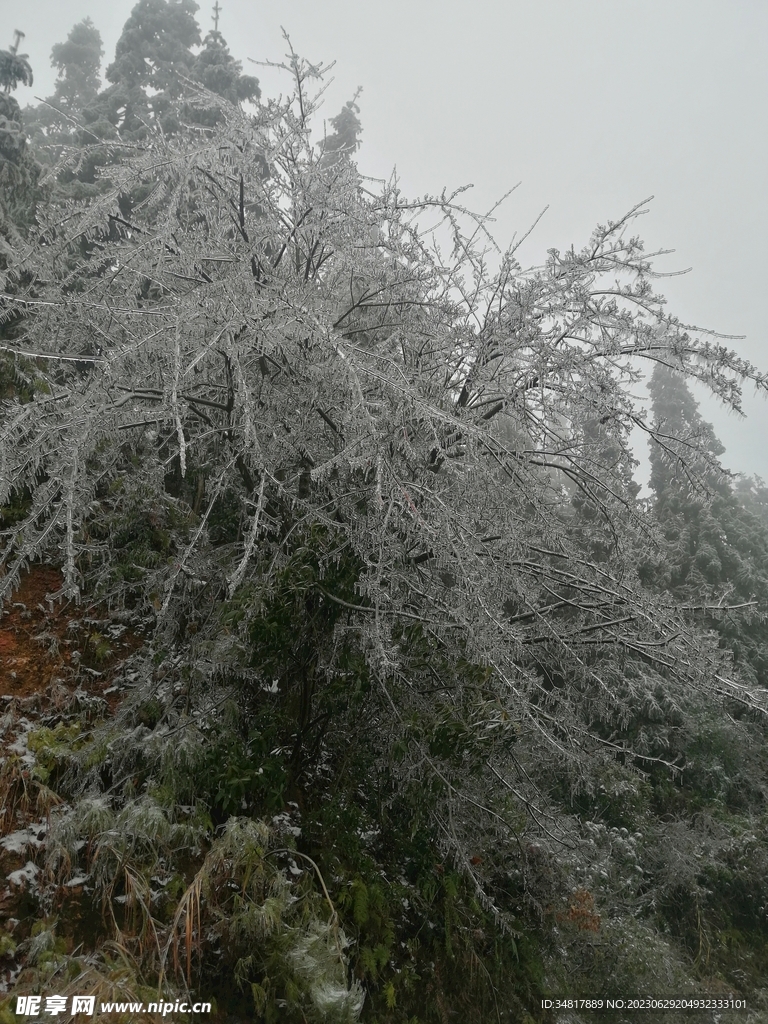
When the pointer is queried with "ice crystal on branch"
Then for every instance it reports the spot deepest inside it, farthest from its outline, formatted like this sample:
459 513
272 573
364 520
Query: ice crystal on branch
256 389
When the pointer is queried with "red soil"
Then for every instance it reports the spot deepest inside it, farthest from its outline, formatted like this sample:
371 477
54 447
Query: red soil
42 643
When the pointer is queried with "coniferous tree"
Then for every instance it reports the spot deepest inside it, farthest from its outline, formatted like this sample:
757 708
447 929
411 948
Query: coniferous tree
153 51
752 492
19 198
151 81
345 138
78 61
57 121
155 65
216 69
14 67
19 171
716 550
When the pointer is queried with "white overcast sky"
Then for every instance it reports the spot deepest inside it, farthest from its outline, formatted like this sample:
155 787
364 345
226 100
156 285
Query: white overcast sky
593 105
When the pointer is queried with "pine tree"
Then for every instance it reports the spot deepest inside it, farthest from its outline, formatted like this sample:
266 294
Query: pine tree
345 138
14 67
716 550
155 66
752 492
216 70
19 199
151 82
153 52
58 121
78 61
19 171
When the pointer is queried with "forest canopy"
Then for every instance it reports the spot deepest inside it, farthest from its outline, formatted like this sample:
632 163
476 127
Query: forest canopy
431 714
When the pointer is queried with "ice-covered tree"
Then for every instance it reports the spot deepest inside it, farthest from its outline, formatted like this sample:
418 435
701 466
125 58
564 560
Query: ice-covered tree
19 171
153 51
59 120
78 62
373 498
216 69
291 348
716 551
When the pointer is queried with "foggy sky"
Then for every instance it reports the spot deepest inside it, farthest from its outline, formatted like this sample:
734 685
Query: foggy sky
593 105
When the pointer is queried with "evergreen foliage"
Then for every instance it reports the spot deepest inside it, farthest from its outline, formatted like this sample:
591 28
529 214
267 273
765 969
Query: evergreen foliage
752 493
154 67
344 141
78 61
716 555
154 49
15 70
19 171
56 122
217 70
